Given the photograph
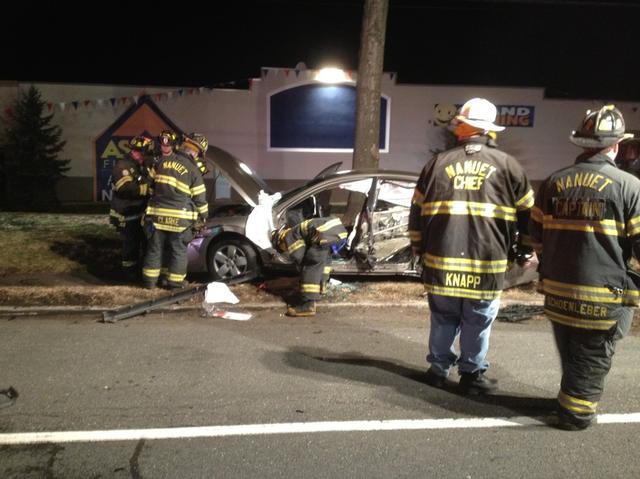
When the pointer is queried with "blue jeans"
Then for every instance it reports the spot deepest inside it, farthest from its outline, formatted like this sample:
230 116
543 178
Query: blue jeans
469 318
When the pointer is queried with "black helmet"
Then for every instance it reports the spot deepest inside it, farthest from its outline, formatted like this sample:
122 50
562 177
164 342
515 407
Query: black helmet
198 141
168 138
600 129
141 143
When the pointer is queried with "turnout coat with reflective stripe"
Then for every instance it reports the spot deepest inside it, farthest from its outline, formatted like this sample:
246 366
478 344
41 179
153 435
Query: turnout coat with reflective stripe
179 197
312 232
586 224
468 205
130 191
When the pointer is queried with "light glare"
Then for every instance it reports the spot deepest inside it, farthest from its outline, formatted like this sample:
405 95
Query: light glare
331 75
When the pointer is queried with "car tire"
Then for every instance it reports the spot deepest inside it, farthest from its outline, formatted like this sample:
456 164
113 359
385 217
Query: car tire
232 260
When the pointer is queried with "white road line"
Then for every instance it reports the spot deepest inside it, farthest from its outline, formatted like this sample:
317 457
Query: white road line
287 428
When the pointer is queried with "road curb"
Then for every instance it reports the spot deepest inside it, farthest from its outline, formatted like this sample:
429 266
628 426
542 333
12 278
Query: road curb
54 310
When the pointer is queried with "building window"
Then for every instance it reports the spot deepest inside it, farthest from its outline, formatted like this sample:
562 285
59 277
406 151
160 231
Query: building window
318 117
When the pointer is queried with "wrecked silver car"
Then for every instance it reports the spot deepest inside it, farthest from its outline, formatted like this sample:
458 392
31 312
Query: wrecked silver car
373 205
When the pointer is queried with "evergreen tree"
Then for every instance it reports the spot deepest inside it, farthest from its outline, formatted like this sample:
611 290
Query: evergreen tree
29 164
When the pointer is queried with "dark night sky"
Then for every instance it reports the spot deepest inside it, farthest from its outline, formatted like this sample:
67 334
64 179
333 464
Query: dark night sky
574 48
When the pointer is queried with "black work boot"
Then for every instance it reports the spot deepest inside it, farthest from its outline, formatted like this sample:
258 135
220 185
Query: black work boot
308 308
476 383
434 379
572 422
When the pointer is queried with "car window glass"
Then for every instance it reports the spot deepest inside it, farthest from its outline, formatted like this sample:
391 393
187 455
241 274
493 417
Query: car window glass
337 201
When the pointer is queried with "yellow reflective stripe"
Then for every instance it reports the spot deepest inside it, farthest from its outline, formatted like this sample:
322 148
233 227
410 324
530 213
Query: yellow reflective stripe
203 209
310 288
465 264
176 277
198 190
304 227
463 293
536 214
144 189
415 235
631 297
128 264
120 183
633 226
634 221
342 235
151 273
418 197
296 246
171 181
580 292
171 229
187 215
487 210
328 225
576 405
327 270
599 324
526 201
607 227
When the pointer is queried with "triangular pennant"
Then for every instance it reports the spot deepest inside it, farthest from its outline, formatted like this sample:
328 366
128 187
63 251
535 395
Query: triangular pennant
169 95
49 106
113 101
200 90
99 102
123 99
180 92
135 98
391 75
265 72
87 103
297 72
62 105
286 72
75 104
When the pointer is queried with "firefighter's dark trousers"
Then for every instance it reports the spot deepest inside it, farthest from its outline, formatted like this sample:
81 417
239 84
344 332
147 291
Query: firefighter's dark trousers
315 272
133 246
586 356
169 248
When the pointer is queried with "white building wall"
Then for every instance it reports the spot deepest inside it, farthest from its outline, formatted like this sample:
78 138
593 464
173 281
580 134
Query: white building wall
236 120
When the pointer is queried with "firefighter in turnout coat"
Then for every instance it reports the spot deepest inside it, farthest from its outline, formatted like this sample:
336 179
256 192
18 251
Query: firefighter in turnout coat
469 204
178 202
311 244
131 186
585 226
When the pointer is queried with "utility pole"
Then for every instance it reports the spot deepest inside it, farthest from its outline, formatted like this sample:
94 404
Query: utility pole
366 151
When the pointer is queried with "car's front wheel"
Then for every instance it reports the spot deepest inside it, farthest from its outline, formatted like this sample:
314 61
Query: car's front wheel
232 259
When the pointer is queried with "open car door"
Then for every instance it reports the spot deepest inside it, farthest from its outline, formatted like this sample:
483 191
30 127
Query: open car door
380 241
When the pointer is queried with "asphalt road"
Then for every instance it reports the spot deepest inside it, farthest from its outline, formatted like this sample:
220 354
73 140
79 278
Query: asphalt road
308 393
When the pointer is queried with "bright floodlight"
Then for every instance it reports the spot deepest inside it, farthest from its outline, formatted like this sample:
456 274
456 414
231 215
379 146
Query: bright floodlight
331 75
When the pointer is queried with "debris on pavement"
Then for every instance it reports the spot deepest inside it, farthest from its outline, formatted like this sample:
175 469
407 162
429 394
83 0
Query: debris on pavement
217 293
8 397
518 312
